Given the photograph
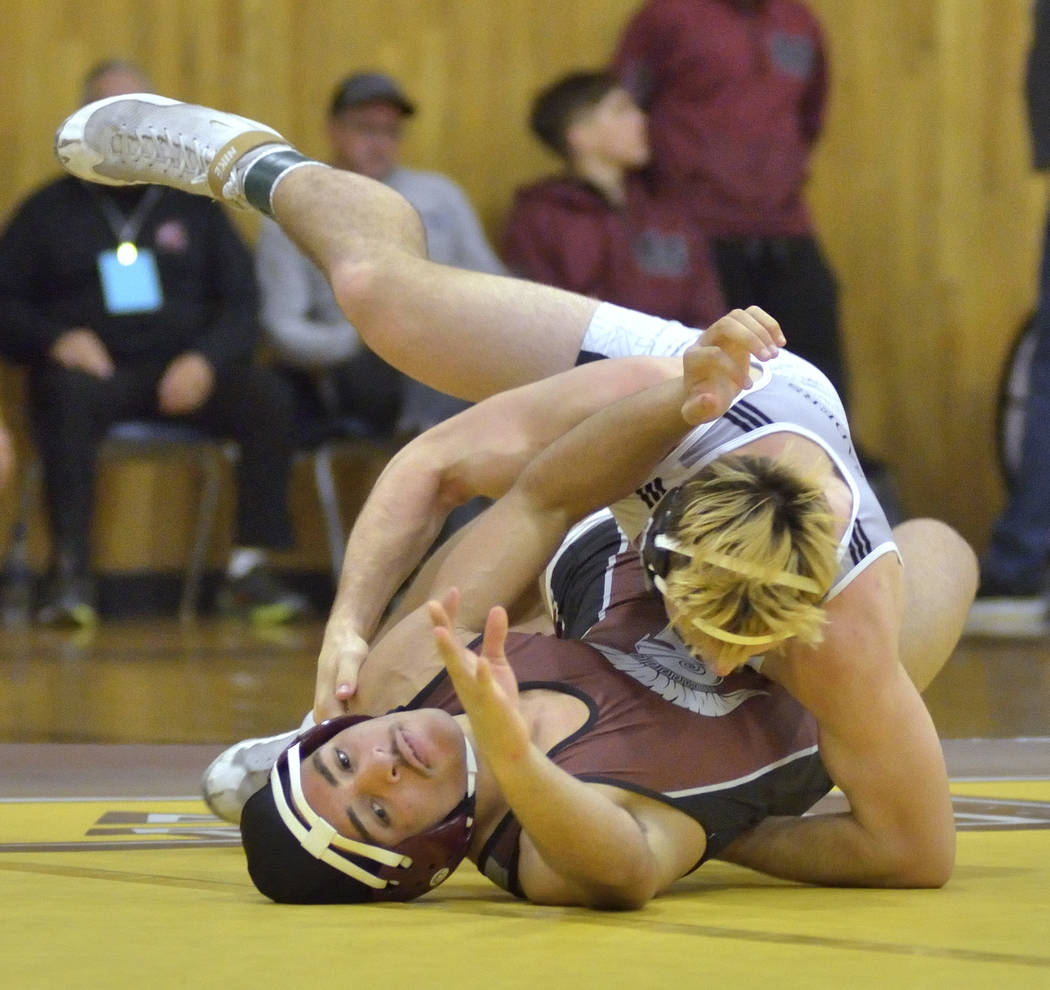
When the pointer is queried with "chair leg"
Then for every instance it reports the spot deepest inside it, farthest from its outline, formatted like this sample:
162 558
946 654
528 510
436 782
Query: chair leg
211 461
329 499
17 590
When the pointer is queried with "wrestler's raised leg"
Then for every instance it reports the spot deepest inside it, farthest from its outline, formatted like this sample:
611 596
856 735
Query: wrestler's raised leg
463 332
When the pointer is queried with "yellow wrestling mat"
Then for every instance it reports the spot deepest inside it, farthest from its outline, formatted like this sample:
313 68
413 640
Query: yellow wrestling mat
153 893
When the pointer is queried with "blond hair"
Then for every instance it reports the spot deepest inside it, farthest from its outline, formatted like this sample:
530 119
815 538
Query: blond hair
753 551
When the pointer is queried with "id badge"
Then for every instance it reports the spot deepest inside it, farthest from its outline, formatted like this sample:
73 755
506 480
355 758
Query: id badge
131 285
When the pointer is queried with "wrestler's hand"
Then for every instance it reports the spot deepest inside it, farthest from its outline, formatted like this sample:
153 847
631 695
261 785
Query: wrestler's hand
485 683
343 652
718 365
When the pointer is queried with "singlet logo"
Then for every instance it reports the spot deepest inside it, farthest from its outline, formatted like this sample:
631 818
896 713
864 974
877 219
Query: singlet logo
793 54
664 665
440 876
665 255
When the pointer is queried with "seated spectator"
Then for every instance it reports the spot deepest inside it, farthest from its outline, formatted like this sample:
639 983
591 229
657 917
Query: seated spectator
597 228
335 373
137 302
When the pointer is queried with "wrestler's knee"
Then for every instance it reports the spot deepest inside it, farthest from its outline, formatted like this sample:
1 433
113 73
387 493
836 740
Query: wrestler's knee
356 284
935 543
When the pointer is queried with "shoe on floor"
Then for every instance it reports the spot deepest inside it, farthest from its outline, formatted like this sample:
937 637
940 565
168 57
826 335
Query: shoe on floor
1008 616
69 603
238 772
145 138
262 598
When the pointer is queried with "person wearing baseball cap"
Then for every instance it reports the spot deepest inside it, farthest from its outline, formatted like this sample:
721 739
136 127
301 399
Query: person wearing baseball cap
364 88
366 117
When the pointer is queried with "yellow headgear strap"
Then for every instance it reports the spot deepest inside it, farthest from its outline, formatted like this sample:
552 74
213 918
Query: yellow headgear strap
727 637
718 633
743 567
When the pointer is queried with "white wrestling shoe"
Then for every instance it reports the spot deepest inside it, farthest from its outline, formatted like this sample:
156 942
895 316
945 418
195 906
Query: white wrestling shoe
145 138
238 772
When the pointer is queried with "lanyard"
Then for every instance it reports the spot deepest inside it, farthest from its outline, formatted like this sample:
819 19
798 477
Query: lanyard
126 228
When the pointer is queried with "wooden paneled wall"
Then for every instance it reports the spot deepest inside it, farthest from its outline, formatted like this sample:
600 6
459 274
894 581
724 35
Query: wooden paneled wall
922 185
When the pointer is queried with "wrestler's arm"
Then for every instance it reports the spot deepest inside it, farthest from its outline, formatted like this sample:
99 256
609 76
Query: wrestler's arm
481 451
478 452
601 459
879 745
498 556
613 452
496 559
583 843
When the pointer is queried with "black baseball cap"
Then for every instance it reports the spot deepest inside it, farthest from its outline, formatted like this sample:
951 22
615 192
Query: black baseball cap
369 87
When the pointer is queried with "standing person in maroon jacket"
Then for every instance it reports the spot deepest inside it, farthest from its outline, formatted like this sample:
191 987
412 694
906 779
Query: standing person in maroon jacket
597 228
735 91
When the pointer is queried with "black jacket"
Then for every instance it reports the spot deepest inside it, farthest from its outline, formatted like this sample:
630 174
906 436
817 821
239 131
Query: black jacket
49 279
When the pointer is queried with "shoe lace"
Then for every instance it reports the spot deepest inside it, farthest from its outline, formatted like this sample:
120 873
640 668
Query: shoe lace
184 155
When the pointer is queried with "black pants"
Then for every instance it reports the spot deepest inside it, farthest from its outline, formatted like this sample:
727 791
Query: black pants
71 411
790 279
